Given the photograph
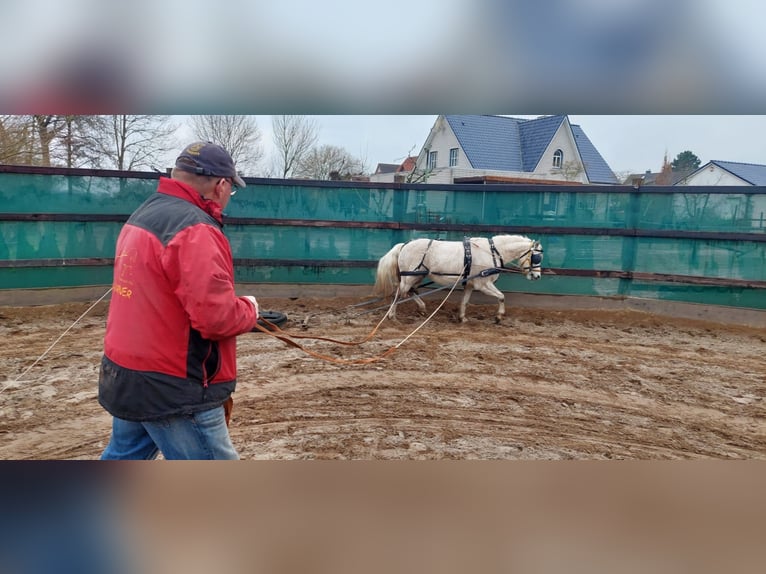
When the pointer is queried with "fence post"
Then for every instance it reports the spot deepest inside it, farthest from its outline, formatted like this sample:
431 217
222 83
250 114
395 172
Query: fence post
630 242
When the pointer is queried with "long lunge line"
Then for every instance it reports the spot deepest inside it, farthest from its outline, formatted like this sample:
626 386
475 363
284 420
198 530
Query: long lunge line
287 338
48 350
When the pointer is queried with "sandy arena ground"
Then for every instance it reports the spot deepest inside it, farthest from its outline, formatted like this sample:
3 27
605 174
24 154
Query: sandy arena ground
546 384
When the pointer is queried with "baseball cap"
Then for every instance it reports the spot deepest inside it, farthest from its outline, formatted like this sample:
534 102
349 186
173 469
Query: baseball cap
207 158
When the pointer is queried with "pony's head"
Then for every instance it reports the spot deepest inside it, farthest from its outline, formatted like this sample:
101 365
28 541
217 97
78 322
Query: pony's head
531 261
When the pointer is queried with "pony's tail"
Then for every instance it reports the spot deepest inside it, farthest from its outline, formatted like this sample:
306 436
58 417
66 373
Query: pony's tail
387 275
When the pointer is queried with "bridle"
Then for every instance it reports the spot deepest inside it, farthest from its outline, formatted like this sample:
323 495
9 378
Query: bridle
532 259
529 261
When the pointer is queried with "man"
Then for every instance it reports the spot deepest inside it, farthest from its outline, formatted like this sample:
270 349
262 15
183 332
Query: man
169 364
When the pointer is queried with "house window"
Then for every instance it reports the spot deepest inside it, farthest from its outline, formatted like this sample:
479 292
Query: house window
431 160
558 158
453 157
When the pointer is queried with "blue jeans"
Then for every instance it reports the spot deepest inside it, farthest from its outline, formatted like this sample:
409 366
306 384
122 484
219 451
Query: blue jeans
201 436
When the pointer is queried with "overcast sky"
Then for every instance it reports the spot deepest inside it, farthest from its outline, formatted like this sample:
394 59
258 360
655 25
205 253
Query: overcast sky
627 143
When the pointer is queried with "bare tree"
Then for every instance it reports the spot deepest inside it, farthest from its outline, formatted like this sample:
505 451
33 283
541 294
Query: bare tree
572 170
666 173
17 140
77 142
47 129
120 142
420 175
239 135
328 162
39 137
294 137
135 142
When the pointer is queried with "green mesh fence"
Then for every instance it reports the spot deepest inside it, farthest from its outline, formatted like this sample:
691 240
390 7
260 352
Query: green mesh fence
705 245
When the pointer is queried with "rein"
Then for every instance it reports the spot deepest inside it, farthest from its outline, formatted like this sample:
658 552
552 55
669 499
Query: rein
287 338
482 273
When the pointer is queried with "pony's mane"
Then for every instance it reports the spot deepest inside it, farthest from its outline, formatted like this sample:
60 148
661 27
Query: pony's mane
514 235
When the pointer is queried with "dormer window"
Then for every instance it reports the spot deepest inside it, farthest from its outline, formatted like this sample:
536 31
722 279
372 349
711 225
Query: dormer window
558 158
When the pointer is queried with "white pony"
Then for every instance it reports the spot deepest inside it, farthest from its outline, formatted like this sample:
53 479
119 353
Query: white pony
476 262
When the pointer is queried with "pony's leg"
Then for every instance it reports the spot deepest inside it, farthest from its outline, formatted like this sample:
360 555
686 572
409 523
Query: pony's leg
397 295
405 290
467 290
421 304
491 290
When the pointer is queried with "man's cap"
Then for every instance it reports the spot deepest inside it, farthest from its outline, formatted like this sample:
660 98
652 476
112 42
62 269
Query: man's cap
207 158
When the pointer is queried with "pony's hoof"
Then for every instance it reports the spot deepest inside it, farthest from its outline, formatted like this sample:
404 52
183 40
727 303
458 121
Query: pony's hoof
498 320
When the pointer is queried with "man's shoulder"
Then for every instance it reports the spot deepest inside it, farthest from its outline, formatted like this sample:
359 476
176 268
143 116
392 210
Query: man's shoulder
165 216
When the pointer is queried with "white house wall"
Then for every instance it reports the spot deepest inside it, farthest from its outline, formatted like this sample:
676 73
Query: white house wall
713 175
447 175
441 140
564 141
383 177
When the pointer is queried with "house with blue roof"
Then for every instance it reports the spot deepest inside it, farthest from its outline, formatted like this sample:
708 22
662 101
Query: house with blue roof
732 173
502 149
716 172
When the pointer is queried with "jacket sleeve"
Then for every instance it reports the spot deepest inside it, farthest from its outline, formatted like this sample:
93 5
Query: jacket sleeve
199 263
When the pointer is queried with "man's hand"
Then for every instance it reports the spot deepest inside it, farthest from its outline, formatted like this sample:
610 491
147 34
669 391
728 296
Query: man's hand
254 302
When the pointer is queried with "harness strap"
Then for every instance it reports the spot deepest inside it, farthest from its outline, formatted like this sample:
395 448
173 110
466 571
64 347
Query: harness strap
467 257
494 252
418 271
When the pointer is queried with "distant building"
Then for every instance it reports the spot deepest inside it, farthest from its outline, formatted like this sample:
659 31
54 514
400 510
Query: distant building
500 149
750 209
383 168
653 178
666 176
717 172
394 172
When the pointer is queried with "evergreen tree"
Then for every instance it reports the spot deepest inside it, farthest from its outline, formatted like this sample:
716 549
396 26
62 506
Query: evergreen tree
685 162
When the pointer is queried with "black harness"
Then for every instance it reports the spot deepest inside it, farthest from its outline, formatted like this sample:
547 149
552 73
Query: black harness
536 259
467 257
495 252
422 268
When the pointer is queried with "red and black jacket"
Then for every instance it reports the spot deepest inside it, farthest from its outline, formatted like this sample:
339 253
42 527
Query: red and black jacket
170 344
